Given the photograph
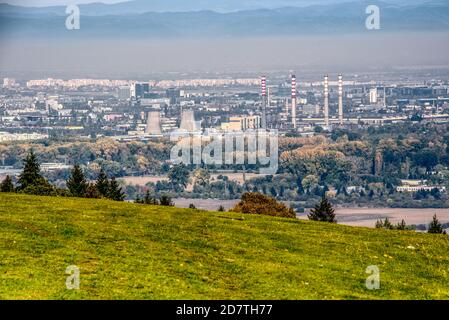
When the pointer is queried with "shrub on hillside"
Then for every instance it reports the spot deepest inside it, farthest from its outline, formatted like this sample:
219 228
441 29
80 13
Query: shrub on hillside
7 185
40 187
166 201
257 203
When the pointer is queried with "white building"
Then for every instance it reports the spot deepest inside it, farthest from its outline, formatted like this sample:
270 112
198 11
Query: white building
9 82
373 96
5 136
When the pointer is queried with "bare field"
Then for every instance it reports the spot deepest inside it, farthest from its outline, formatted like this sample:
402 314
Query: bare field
367 217
358 217
142 181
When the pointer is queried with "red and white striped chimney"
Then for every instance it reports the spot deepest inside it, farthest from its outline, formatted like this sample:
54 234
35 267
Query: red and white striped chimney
294 101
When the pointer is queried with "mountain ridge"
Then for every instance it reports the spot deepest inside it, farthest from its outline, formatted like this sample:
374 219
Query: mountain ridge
342 18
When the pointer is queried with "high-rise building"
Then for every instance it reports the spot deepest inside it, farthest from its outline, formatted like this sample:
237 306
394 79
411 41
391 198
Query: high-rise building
124 93
173 94
140 89
326 101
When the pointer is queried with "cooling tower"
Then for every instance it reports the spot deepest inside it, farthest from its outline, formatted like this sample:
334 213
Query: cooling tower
154 123
326 101
188 121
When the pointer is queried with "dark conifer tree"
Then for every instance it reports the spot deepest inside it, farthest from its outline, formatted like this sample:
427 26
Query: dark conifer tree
77 183
435 226
31 172
102 184
115 191
7 185
323 211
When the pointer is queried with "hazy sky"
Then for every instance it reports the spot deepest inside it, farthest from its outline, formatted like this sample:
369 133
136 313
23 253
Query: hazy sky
127 58
44 3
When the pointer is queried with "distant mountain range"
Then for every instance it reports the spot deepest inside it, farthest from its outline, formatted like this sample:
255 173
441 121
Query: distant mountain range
144 19
143 6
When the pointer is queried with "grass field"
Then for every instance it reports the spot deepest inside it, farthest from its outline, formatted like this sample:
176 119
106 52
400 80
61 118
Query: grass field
128 251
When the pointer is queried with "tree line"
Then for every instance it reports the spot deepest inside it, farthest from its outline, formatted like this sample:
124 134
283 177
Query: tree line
32 182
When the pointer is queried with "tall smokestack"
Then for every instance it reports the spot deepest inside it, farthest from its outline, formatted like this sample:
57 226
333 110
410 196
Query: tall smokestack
326 101
294 101
340 98
264 101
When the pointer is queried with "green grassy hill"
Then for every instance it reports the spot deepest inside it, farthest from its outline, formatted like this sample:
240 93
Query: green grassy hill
128 251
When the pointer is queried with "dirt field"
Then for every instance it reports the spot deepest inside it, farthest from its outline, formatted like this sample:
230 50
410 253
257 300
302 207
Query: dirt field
361 217
142 181
367 217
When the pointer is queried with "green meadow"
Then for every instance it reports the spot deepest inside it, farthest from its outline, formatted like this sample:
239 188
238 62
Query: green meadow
130 251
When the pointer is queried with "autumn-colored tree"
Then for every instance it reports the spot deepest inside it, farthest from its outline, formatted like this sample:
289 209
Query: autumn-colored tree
257 203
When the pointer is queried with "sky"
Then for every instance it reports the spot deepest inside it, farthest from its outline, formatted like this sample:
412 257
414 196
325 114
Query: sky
44 3
128 59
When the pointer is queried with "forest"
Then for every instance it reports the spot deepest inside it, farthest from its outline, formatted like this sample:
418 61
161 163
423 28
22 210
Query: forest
360 166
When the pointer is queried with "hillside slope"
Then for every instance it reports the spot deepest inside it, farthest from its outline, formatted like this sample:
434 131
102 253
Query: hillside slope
128 251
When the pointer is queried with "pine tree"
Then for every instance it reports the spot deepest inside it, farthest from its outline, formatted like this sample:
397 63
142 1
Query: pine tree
77 183
221 209
102 184
30 175
401 226
115 191
435 226
323 212
384 224
6 185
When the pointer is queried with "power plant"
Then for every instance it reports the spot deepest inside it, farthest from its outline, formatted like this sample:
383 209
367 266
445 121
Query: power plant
153 123
326 101
188 122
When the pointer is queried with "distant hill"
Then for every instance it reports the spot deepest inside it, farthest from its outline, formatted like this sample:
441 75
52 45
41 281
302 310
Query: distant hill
143 6
330 19
129 251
